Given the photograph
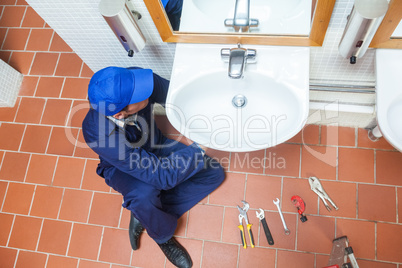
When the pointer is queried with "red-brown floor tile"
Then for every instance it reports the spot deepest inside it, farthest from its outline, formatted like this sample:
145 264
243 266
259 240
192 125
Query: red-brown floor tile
257 257
375 264
230 232
85 241
126 215
91 180
361 235
343 195
35 139
364 142
49 86
11 135
321 260
31 259
316 235
338 136
388 167
46 202
69 65
194 248
6 221
3 32
18 198
62 141
56 112
275 225
294 259
283 159
59 261
32 19
92 264
59 45
356 165
39 40
75 88
44 63
41 169
28 86
54 237
259 190
250 162
75 206
205 222
319 161
219 255
65 175
220 156
30 110
82 149
231 191
105 209
181 228
5 55
86 71
16 39
299 187
14 166
23 237
389 244
115 246
384 209
7 114
21 61
3 189
77 114
310 134
7 256
399 205
148 254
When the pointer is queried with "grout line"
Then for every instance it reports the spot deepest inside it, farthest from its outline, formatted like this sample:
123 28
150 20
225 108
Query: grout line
22 138
245 187
100 243
375 240
11 229
375 166
357 200
61 202
397 205
37 83
186 228
32 62
62 87
43 111
202 252
47 259
17 257
223 223
54 171
276 258
5 37
48 140
23 17
50 43
296 231
69 238
5 195
90 207
40 234
27 41
337 164
68 116
26 171
356 137
263 163
32 200
238 255
57 63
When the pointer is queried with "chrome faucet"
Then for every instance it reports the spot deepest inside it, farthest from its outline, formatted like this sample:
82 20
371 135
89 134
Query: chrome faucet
241 21
238 57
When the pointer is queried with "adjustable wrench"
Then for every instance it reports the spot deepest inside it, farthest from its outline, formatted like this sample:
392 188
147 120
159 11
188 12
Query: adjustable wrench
261 216
276 202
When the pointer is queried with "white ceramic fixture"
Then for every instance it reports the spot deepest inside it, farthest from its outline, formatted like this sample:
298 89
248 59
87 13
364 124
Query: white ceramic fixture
275 17
266 107
389 95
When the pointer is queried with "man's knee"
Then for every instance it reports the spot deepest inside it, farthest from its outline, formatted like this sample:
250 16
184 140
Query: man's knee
144 199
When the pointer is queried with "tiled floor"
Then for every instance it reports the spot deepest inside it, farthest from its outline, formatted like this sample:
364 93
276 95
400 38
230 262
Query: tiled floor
56 212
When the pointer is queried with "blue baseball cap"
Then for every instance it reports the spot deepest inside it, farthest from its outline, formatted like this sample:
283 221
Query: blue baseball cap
113 88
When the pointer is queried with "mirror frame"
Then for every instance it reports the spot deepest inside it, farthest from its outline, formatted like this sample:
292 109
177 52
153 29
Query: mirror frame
382 38
322 16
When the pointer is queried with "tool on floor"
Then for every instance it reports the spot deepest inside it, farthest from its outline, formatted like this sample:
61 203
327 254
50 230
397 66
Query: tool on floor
261 217
300 205
316 186
340 253
287 232
243 215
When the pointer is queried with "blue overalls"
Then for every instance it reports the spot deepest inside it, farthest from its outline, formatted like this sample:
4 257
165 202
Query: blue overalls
159 178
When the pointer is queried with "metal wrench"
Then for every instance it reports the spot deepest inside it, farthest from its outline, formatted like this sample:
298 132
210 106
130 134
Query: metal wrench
287 231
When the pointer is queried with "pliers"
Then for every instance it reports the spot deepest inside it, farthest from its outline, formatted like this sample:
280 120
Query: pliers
243 215
316 186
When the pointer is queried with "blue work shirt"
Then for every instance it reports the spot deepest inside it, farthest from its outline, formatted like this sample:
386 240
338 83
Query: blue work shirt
142 152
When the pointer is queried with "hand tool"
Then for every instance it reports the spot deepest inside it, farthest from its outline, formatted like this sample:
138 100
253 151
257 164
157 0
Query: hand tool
287 232
341 251
316 186
261 216
243 214
300 205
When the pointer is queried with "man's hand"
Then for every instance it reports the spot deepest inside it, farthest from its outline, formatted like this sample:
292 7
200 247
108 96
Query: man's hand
203 147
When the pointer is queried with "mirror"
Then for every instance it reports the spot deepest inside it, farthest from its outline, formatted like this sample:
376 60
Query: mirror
311 37
385 37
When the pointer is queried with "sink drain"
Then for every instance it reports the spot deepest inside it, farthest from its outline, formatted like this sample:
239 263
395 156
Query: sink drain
239 101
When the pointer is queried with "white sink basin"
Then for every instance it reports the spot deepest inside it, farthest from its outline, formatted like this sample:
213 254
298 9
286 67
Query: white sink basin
389 95
275 17
199 101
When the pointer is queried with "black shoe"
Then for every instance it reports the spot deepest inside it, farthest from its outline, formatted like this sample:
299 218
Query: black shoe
134 231
176 253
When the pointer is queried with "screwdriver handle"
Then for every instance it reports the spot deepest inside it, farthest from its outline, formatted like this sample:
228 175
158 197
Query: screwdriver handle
250 234
243 239
267 232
